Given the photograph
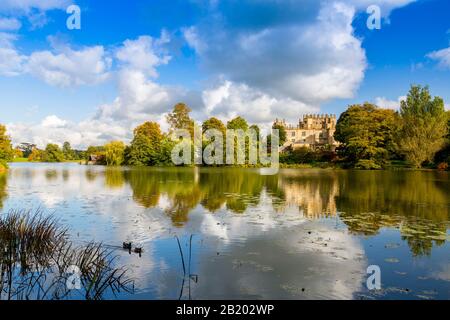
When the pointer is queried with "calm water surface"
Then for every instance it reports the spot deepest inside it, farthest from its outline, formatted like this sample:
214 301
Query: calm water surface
303 234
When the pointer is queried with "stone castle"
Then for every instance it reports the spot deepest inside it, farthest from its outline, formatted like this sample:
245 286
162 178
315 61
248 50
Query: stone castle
314 131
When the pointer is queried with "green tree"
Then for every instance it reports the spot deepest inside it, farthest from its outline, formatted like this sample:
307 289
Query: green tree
165 154
237 123
53 153
281 132
146 145
423 126
115 153
366 133
6 151
213 123
69 154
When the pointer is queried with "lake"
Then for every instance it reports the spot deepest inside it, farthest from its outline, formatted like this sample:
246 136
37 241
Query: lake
302 234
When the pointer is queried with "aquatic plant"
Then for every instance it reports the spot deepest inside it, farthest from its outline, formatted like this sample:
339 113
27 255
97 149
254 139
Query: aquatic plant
39 262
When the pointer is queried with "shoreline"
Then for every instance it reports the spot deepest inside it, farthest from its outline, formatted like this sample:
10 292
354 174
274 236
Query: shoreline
324 166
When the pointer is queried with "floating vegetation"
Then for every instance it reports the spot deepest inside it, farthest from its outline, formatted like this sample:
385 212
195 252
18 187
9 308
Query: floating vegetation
419 233
38 262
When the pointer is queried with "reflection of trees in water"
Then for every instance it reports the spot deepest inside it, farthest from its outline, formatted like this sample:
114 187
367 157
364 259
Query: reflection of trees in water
3 184
91 174
114 177
66 175
51 174
367 200
416 202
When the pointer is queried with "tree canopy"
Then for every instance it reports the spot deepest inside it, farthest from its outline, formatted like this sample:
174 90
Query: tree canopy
53 153
366 133
6 151
115 153
423 126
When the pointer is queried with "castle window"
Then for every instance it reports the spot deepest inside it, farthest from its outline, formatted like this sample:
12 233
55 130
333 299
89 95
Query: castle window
304 134
293 134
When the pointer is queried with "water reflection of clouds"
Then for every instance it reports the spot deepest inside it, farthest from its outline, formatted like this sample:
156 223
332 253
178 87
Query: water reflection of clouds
257 233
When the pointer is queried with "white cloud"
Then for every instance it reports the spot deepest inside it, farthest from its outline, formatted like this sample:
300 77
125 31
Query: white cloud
11 61
70 67
53 122
10 24
442 57
310 63
139 99
62 66
384 103
145 53
33 10
228 100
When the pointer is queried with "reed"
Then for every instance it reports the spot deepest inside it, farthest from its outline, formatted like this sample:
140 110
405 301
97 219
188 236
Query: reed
37 259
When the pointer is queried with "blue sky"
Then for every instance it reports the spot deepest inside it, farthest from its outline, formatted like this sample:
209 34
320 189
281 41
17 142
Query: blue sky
131 61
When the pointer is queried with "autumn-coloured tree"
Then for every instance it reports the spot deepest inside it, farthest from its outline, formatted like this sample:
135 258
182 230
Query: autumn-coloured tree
6 151
179 118
115 153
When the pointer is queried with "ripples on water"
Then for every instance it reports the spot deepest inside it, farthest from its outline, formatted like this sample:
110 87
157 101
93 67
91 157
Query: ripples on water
303 234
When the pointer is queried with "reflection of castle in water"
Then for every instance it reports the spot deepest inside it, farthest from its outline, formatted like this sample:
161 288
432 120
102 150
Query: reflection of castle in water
314 198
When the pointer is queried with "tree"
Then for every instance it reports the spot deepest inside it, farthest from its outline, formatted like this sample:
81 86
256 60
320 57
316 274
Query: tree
115 153
237 123
423 126
281 132
53 153
213 123
36 155
366 133
179 118
146 145
69 154
18 153
6 151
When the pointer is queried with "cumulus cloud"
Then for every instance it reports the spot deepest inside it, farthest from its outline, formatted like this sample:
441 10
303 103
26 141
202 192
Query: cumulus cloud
442 57
33 10
140 98
69 67
229 100
62 66
11 61
145 53
307 62
382 102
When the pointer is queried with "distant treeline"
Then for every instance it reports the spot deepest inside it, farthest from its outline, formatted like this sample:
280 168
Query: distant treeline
417 135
